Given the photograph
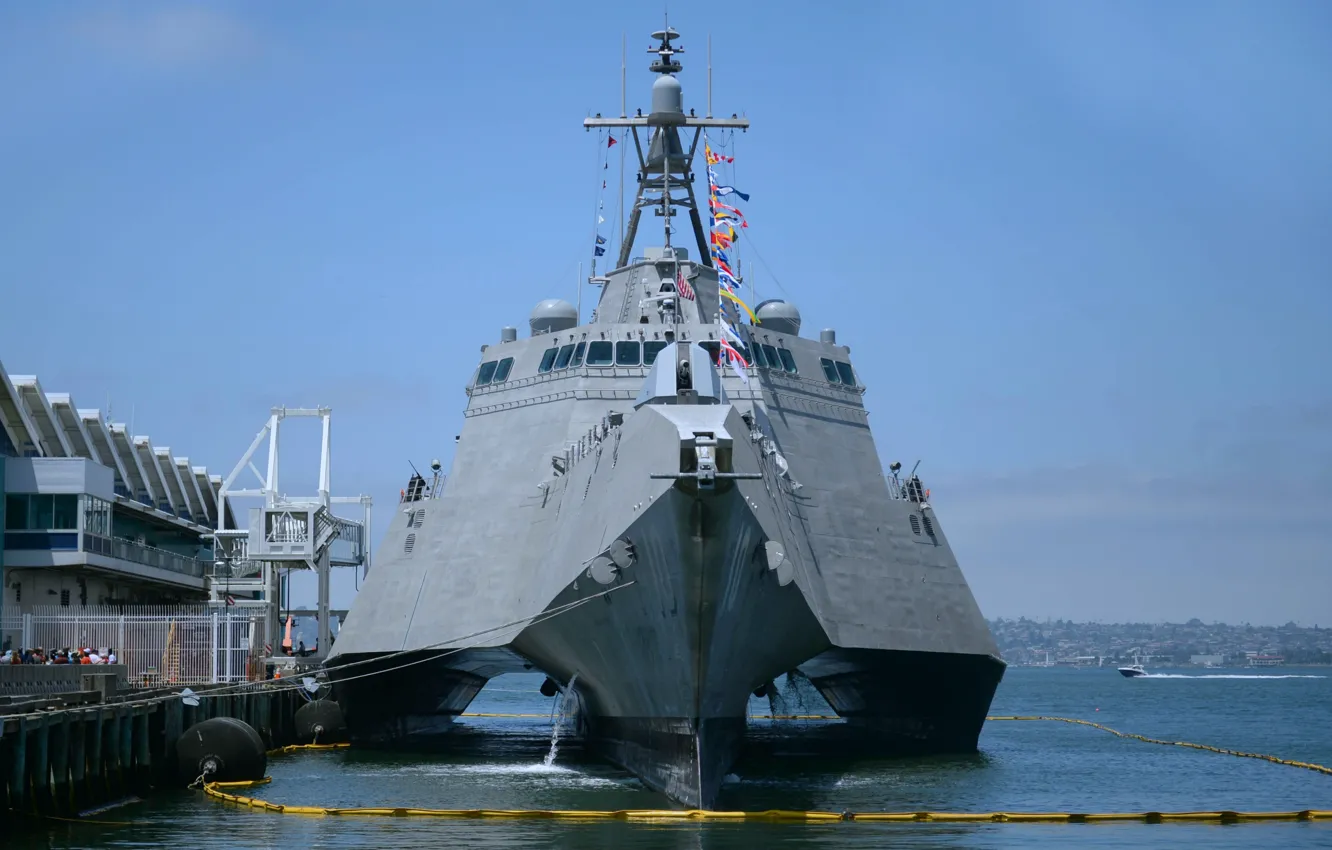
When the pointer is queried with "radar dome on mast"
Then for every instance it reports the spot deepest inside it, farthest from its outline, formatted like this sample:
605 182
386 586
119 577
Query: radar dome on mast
667 100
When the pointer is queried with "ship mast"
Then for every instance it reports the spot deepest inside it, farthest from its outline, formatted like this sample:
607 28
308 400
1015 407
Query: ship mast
666 164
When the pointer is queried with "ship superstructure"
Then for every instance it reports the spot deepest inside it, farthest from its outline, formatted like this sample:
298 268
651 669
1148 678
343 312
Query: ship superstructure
728 525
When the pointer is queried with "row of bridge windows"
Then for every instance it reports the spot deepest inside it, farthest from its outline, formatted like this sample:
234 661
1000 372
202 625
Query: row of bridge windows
603 353
838 372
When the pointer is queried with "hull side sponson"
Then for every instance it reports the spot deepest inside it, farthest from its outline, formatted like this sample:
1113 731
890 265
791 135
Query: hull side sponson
909 702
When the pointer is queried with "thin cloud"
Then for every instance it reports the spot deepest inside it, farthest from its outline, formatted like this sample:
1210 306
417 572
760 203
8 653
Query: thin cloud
172 36
1040 497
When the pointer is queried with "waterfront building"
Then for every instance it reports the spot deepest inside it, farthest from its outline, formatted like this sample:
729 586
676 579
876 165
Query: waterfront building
93 515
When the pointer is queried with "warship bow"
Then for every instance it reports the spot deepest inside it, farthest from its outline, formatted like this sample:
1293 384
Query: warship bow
719 479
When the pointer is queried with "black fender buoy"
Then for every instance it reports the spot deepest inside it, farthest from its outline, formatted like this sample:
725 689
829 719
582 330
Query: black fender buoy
549 688
221 749
320 721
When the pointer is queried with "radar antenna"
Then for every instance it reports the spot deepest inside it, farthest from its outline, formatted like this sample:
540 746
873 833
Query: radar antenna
666 165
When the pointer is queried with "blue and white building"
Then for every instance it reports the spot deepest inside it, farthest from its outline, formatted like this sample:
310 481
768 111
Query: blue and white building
94 515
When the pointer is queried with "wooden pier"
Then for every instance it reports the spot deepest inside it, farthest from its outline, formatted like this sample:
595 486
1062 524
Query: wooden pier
64 754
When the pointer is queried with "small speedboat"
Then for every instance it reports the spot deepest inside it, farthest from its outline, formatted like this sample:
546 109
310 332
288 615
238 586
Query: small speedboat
1133 671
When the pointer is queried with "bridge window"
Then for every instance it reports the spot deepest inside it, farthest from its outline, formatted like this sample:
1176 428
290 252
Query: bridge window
502 370
759 360
742 350
770 354
651 350
713 348
578 354
599 353
788 362
829 370
628 353
487 372
844 371
548 359
565 354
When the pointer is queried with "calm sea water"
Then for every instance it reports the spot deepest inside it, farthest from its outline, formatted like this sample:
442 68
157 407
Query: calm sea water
1022 766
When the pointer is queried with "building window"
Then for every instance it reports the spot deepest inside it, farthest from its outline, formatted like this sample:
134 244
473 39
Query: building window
548 359
628 353
16 512
96 516
650 351
599 353
502 371
829 370
578 355
41 511
770 354
788 362
844 371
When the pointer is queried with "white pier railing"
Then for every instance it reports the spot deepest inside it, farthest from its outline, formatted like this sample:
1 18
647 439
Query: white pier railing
162 646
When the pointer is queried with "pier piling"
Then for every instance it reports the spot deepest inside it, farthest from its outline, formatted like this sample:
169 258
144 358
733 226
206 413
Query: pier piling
63 755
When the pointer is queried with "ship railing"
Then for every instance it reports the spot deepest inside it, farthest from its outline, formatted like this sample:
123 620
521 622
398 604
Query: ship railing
906 489
601 393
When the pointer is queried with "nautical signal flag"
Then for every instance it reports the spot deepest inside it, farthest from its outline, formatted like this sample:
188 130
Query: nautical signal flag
731 332
732 352
714 158
601 240
610 141
682 286
726 293
599 251
729 190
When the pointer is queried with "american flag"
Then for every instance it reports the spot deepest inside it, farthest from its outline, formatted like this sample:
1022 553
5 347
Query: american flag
682 286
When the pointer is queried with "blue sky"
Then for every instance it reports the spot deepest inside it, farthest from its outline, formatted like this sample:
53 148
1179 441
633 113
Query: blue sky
1081 251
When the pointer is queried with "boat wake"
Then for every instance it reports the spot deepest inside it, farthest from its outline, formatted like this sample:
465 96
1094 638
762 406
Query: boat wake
1228 676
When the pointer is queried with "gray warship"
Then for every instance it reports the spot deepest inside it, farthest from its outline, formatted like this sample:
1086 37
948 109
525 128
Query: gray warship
629 513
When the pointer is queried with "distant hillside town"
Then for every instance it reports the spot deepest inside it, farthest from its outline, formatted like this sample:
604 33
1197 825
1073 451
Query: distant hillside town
1032 643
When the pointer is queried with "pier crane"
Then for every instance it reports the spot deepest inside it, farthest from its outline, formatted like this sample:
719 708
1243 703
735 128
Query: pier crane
285 532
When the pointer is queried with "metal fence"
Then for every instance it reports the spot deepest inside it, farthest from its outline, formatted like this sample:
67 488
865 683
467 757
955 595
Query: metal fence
159 645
